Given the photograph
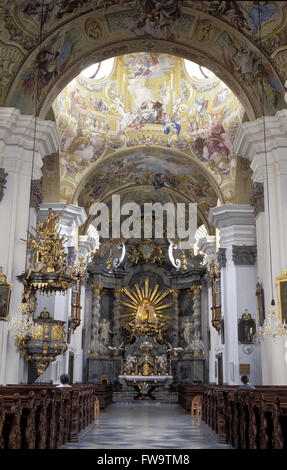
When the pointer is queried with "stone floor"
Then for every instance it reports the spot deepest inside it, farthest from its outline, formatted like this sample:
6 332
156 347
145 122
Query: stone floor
147 425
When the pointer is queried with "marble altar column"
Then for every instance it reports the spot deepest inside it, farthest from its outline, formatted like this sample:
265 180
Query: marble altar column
96 314
237 260
196 317
116 316
175 294
21 154
86 245
270 179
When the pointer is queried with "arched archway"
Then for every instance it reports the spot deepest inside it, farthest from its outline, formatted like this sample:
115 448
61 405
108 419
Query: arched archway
213 35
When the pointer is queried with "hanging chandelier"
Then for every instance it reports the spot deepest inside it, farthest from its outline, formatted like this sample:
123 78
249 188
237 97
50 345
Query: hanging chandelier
23 326
272 326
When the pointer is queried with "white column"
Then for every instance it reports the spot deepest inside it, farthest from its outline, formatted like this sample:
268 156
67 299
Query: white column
207 245
22 163
249 143
238 285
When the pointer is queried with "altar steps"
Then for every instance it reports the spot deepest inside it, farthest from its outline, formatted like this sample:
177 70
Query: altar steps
162 397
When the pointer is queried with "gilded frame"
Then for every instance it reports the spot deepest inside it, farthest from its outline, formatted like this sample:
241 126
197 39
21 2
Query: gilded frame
281 284
5 295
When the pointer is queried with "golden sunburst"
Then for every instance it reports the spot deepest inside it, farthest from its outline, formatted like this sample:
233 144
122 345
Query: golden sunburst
146 306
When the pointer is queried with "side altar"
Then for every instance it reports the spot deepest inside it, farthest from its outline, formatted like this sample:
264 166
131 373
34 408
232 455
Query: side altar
145 324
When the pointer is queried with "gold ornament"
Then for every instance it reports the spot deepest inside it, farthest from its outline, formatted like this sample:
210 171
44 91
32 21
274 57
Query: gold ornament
49 270
146 305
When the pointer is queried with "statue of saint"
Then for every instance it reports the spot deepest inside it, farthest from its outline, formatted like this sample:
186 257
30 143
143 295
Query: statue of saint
187 330
49 226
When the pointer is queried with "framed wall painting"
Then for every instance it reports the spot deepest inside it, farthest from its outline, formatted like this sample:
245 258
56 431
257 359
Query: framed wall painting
281 283
5 294
246 329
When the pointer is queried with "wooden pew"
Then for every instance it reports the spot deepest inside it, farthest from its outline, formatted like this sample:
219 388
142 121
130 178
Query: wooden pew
104 392
44 416
11 431
246 418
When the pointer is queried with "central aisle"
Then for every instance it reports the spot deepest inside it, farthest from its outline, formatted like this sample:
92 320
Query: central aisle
146 425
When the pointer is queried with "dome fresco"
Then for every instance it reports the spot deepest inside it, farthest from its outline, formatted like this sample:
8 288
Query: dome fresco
110 97
147 100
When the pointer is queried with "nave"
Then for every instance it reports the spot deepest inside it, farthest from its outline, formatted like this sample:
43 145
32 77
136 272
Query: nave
147 425
143 208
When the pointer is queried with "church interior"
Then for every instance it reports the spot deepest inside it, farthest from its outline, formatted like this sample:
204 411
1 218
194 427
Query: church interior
112 115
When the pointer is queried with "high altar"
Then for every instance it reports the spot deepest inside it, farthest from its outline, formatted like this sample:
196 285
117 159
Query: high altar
145 317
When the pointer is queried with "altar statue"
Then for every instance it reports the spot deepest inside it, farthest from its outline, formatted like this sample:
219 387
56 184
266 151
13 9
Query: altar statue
145 313
130 364
187 330
105 333
161 362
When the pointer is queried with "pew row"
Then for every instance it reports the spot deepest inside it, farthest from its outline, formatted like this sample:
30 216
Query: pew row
247 419
44 417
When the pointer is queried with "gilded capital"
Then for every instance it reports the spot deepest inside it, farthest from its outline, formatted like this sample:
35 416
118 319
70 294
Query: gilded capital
196 289
96 288
174 292
117 292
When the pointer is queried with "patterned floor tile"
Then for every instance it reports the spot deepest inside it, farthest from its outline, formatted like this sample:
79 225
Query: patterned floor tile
147 426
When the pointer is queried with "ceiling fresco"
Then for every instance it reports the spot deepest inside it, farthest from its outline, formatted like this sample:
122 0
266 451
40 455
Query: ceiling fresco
149 100
148 106
224 36
142 176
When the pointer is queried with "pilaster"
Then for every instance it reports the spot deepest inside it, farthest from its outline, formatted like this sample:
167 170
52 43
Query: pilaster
236 224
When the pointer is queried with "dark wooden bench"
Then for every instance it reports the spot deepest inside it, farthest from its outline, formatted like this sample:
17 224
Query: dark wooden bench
44 417
246 418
